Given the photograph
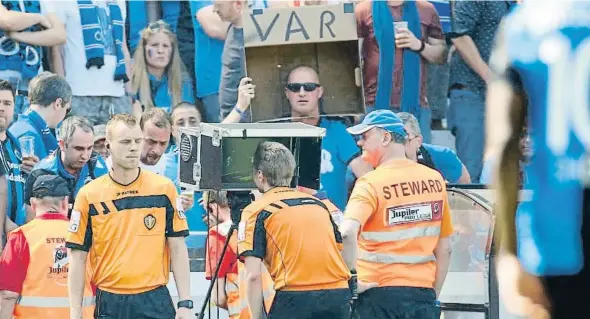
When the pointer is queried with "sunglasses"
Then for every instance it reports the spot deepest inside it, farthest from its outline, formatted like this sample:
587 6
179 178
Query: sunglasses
308 87
155 26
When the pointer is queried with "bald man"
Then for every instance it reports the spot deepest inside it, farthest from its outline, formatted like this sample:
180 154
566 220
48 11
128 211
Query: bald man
339 149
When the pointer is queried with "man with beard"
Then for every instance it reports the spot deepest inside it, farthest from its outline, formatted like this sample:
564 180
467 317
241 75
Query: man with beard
74 160
11 161
156 126
145 230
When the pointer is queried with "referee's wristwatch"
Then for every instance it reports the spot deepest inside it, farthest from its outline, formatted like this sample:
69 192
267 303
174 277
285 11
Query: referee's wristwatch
185 304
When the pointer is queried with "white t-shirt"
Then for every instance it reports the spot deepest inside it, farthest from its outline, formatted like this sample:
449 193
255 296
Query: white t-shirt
93 81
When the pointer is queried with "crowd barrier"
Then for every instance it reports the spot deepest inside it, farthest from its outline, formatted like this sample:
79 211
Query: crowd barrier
470 290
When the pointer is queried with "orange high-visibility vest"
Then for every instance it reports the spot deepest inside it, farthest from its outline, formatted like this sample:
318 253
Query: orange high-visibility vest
232 289
235 286
45 289
268 292
411 213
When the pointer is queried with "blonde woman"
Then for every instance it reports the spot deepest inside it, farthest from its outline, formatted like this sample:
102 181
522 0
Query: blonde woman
158 79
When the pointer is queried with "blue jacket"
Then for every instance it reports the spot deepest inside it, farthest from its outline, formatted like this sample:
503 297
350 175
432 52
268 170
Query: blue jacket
161 96
31 124
94 168
11 158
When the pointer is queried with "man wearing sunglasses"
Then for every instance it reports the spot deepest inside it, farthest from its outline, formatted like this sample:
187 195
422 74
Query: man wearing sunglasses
50 103
339 149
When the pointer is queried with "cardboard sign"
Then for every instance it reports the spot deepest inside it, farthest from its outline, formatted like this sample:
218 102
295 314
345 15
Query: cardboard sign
309 24
337 64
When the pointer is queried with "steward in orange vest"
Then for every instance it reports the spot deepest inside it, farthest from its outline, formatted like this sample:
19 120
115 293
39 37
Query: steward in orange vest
34 265
396 226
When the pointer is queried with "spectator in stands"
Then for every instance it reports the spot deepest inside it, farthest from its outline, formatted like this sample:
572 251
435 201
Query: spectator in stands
74 161
88 59
158 78
339 149
11 161
474 25
399 80
526 152
32 85
156 125
100 136
440 158
35 264
233 68
184 115
50 103
25 28
209 35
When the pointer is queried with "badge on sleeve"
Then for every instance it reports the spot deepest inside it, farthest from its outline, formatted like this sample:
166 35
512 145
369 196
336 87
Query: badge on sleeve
180 208
242 231
74 221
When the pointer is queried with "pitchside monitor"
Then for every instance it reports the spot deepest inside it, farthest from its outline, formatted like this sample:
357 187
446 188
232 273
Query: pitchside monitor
220 157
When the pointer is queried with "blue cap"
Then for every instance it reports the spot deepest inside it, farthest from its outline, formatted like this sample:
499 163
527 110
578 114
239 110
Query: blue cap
384 119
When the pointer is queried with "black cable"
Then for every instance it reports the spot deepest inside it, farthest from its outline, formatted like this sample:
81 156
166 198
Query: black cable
214 278
237 202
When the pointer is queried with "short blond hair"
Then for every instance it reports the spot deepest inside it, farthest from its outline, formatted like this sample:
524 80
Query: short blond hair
127 119
276 162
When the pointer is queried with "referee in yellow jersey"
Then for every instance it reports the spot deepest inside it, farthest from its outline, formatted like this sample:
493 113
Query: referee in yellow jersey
132 224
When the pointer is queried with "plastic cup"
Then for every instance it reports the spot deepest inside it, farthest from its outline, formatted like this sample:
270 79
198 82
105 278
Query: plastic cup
187 193
400 25
27 146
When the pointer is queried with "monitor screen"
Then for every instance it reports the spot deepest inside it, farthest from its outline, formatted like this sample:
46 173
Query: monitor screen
238 158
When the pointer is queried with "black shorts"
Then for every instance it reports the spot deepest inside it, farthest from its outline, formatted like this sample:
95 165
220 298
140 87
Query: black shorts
398 303
153 304
570 295
314 304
